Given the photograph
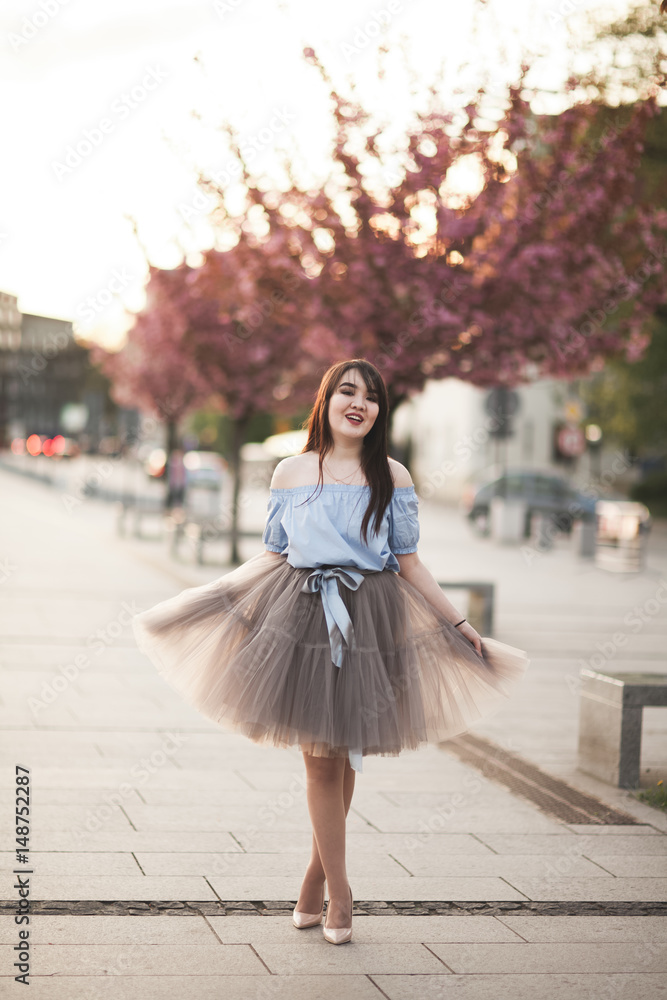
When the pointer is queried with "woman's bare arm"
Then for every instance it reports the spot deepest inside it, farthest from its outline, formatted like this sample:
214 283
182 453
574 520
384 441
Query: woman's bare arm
412 569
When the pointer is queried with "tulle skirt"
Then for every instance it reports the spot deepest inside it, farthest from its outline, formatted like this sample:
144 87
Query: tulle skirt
252 652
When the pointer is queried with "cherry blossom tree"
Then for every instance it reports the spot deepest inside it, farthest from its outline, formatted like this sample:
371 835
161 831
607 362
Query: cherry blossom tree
246 308
154 372
535 274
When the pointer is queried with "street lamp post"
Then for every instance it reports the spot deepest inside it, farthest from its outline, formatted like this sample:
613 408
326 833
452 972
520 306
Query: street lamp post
594 443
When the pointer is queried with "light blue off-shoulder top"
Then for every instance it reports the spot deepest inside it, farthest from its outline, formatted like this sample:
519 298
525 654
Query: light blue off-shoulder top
326 530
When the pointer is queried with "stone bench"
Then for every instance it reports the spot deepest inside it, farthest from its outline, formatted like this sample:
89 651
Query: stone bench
199 530
137 510
610 722
480 603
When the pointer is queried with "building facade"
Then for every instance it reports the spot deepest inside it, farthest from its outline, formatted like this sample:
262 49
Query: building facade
453 434
47 384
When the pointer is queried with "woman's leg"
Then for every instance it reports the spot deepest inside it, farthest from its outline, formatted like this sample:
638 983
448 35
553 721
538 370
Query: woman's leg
330 786
315 870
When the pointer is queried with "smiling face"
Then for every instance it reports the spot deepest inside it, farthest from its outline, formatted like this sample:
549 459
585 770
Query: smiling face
353 408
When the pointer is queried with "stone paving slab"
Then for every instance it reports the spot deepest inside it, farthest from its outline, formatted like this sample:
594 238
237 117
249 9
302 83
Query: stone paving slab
367 929
260 865
205 987
69 817
592 888
262 841
223 797
315 956
111 887
212 818
89 797
554 843
48 929
477 820
554 957
425 863
128 840
590 928
527 986
77 863
629 866
268 887
149 960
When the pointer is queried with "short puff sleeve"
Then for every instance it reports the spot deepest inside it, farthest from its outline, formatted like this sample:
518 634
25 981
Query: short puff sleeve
403 521
275 537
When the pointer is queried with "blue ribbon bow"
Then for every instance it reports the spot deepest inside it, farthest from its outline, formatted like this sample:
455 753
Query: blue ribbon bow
339 623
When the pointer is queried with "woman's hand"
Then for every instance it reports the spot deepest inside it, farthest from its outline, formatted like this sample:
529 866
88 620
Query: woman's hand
413 570
474 637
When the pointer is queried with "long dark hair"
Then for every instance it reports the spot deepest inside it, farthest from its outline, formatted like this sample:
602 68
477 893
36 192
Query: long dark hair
374 463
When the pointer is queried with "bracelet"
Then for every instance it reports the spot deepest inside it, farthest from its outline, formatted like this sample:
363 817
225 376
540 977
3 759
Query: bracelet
459 623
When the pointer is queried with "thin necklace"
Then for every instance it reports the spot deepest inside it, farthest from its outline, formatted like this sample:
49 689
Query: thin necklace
345 477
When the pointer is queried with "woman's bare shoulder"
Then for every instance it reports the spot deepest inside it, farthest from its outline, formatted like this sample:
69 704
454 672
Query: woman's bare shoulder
297 470
399 473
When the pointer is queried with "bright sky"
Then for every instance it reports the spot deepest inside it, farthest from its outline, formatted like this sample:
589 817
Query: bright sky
122 81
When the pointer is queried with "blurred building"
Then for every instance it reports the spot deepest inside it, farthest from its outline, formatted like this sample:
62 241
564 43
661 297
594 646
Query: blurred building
47 384
454 433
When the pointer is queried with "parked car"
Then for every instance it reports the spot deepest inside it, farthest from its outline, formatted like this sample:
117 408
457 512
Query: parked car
542 492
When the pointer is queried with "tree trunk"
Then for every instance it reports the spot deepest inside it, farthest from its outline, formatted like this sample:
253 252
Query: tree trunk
172 443
239 429
395 401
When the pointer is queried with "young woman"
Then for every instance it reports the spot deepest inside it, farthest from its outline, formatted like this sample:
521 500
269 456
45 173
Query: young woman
336 637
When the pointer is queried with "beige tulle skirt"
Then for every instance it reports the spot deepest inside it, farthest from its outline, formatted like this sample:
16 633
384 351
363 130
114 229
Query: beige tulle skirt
251 651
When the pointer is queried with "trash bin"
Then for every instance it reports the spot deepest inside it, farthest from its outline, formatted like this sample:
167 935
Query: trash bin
622 532
508 519
543 529
584 532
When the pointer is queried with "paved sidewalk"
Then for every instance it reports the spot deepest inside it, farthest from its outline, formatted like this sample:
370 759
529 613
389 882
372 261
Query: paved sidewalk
137 800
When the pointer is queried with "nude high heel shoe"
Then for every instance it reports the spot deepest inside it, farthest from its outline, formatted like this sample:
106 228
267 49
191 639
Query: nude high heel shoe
338 935
301 919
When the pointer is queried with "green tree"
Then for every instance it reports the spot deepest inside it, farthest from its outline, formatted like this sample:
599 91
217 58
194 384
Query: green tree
628 400
629 56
